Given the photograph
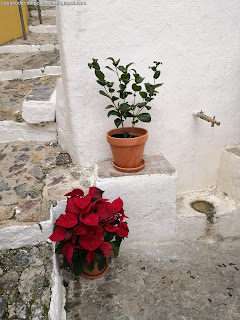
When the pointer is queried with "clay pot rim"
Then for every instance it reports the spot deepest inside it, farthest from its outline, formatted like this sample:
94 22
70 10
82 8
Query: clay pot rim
141 136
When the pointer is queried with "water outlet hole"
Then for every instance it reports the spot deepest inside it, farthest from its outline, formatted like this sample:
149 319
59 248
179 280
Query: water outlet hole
204 207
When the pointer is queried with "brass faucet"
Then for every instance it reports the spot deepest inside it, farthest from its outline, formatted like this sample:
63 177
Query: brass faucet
201 115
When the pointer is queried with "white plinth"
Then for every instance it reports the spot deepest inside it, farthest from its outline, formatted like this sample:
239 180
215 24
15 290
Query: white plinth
149 198
229 173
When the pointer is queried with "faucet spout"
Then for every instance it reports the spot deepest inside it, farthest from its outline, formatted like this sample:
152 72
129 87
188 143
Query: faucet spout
203 116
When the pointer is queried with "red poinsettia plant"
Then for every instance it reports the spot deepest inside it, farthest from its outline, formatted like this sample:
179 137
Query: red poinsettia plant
91 229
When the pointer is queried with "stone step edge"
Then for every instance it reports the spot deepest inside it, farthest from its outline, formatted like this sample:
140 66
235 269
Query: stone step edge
30 73
25 48
11 131
44 13
19 236
43 28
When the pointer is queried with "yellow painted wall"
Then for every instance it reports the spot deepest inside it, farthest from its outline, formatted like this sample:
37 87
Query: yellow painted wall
10 22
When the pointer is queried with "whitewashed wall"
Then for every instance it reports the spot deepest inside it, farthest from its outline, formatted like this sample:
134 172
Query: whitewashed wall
199 45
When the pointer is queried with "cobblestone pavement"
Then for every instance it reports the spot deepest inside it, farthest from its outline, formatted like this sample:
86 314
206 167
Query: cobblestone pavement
25 282
33 176
177 281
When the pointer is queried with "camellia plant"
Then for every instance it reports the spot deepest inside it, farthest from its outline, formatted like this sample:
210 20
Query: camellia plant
129 98
91 229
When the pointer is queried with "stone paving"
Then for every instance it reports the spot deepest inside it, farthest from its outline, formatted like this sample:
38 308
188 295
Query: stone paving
33 177
25 282
31 60
175 281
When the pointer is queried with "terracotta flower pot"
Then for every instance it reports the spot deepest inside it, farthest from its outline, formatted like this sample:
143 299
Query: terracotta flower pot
128 152
95 273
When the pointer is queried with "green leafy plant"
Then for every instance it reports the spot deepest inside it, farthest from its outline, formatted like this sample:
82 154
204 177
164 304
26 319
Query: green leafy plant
129 97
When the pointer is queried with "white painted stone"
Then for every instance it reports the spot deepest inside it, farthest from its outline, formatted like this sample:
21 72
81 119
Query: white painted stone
58 297
10 75
229 173
149 201
39 111
14 131
43 28
53 70
192 225
25 48
20 48
45 13
47 47
192 42
32 73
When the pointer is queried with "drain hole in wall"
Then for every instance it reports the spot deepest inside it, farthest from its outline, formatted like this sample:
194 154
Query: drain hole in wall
204 207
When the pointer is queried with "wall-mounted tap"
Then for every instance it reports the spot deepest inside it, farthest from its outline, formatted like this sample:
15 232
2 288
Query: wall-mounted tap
201 115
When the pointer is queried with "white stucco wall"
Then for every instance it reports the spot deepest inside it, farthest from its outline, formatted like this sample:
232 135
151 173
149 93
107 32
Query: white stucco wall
199 45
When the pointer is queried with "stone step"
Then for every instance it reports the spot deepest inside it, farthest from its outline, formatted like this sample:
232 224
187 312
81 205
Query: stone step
35 39
149 198
30 73
228 179
43 28
198 226
45 12
40 105
29 60
46 20
14 92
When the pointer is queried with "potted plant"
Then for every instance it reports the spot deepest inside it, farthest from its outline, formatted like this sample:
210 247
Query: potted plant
90 231
129 99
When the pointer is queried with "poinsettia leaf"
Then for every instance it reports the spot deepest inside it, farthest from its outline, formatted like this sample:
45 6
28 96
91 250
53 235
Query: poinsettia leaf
58 234
77 264
68 234
110 228
102 263
71 206
117 205
82 202
67 252
75 192
93 191
91 220
91 255
106 248
79 230
115 247
58 249
90 242
89 267
123 230
67 220
109 236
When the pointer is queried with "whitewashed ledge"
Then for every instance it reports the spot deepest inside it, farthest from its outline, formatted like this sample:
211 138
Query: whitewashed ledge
25 48
43 28
14 131
30 73
19 236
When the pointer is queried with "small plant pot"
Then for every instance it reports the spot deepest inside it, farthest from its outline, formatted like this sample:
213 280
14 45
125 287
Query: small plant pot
95 273
128 152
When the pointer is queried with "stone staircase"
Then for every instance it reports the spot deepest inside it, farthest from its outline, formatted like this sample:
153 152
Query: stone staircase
26 65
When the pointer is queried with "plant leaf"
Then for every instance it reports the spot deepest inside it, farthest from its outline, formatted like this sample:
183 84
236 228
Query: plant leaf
124 107
143 94
109 107
77 265
115 247
102 263
136 88
99 74
112 113
101 82
144 117
118 122
103 93
121 68
107 67
156 74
